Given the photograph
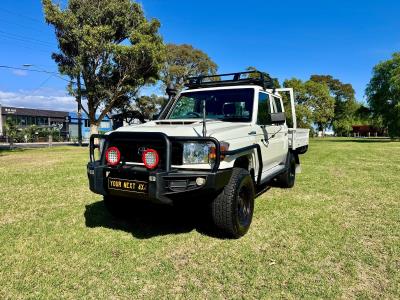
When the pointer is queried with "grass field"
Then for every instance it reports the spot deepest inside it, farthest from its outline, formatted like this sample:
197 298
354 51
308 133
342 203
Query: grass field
335 235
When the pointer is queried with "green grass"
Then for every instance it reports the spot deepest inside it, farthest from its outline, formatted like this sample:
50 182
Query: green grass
335 235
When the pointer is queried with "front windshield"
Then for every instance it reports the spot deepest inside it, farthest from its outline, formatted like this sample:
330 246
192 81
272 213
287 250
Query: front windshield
235 105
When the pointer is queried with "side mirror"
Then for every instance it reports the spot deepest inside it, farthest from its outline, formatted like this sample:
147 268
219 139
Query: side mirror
155 117
277 118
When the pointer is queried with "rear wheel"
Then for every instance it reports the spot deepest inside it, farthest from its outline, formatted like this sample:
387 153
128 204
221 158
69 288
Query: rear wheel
288 178
232 209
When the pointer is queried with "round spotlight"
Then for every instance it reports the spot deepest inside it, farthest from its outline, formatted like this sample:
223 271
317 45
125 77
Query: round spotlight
150 158
200 181
113 156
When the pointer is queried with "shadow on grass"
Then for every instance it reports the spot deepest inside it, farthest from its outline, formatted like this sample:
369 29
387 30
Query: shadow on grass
360 140
6 151
147 220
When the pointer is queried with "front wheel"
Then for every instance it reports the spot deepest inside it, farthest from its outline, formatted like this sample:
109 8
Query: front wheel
232 209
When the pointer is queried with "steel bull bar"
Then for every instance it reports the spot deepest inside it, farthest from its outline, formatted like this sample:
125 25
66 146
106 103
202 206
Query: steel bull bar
219 178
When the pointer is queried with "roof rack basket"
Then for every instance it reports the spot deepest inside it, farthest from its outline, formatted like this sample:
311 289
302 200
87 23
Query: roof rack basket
239 78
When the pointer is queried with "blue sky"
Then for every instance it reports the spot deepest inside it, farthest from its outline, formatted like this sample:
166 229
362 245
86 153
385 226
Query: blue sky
285 38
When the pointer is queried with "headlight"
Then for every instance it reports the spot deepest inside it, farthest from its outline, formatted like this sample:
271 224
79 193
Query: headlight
201 153
196 153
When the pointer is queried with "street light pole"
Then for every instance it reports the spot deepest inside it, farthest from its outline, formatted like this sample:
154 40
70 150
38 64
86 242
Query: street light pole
79 100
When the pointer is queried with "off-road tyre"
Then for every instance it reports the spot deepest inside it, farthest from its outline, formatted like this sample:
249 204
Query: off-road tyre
287 179
232 210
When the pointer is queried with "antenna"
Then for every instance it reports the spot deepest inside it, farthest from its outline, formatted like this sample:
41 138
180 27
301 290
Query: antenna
204 118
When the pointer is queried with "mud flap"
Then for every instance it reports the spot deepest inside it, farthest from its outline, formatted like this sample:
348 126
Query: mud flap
298 167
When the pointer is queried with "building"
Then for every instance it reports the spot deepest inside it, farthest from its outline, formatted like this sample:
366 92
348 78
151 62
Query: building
66 122
24 117
368 130
105 125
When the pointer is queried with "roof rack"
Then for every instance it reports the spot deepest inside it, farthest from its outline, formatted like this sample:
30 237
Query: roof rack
239 78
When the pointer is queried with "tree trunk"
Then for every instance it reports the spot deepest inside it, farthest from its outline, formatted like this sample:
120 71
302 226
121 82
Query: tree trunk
94 129
94 124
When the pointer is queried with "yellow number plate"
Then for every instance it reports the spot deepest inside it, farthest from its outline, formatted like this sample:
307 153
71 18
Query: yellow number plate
127 185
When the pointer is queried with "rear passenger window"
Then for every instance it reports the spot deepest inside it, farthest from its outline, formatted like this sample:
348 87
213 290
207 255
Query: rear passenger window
264 109
276 102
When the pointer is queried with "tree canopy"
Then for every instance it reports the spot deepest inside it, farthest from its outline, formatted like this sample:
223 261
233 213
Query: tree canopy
149 106
183 61
345 103
110 46
314 104
321 103
274 80
383 93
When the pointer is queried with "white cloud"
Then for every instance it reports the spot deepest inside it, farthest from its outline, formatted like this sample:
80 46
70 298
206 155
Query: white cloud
40 99
20 73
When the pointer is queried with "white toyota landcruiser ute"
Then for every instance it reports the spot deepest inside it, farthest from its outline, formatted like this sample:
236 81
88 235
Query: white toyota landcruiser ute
223 141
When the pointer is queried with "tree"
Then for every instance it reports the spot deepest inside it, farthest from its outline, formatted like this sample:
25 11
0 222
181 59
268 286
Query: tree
274 80
322 104
304 114
383 93
314 105
149 106
11 131
110 46
345 117
183 61
345 103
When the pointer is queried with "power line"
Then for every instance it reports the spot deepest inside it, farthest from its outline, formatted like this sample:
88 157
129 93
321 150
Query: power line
25 46
44 81
12 41
25 26
30 44
24 38
21 15
56 74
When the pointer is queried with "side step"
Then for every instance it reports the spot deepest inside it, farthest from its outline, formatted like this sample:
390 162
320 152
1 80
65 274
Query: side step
262 189
271 174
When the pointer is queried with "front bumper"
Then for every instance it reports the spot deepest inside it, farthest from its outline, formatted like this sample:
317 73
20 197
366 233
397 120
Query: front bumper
163 186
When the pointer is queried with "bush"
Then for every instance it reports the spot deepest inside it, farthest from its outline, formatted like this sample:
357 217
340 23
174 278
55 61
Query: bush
31 133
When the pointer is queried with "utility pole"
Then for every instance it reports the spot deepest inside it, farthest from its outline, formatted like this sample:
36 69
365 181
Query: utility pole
79 100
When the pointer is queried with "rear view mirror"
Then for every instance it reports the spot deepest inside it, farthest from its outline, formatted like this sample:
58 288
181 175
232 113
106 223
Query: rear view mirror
277 118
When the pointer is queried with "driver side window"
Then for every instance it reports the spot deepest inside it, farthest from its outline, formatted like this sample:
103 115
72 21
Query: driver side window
184 107
264 109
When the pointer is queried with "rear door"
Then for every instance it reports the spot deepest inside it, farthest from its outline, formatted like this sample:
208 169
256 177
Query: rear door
279 132
267 135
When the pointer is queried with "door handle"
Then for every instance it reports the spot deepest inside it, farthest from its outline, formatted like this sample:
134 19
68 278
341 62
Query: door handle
252 133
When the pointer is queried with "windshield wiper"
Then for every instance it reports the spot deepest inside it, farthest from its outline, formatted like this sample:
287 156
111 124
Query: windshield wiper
233 118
